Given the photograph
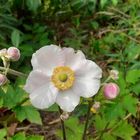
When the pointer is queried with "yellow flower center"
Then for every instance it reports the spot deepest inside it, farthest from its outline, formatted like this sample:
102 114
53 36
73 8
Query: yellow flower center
63 77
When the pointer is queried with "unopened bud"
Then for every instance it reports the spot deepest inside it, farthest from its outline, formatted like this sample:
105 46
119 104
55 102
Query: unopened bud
13 53
3 79
111 90
95 107
114 74
3 52
64 116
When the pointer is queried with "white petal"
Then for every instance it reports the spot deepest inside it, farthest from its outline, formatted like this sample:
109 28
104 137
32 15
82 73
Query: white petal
35 80
67 100
89 69
44 97
47 57
73 59
86 87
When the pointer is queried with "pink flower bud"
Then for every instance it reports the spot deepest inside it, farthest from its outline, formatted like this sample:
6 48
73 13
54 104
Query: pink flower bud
13 53
111 90
3 79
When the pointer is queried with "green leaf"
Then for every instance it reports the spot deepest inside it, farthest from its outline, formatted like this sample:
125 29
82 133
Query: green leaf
3 133
124 131
115 2
19 136
33 4
133 76
100 123
122 84
15 38
74 129
114 111
12 97
1 102
103 3
107 136
53 108
29 113
136 88
130 104
35 137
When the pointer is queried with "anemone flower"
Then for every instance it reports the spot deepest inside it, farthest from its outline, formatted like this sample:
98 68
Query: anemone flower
62 76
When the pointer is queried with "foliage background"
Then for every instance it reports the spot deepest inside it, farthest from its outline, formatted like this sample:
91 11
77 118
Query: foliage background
107 31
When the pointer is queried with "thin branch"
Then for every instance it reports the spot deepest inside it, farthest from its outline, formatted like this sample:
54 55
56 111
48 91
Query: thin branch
63 125
13 72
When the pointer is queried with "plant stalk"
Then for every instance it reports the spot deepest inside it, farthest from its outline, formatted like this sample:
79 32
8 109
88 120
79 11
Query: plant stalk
13 72
62 125
87 120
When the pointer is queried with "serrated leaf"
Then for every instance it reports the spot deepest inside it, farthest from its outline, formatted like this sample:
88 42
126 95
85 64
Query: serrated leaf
124 131
107 136
100 123
136 88
74 129
133 76
130 104
15 38
12 97
122 84
114 111
29 113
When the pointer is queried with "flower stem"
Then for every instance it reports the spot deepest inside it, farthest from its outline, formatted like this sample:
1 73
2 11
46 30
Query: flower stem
87 120
13 72
63 125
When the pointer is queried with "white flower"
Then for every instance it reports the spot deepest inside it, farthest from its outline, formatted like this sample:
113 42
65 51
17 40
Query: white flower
61 76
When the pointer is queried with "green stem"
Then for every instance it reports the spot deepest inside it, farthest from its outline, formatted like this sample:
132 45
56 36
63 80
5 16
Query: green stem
87 120
63 125
13 72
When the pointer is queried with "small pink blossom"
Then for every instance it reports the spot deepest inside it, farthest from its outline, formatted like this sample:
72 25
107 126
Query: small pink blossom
13 53
111 90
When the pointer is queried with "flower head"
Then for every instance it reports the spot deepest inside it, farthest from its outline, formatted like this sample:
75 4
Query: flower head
62 76
13 53
111 90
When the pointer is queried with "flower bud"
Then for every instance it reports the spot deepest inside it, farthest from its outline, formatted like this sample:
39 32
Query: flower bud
3 79
95 107
3 52
114 74
64 116
13 53
111 90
